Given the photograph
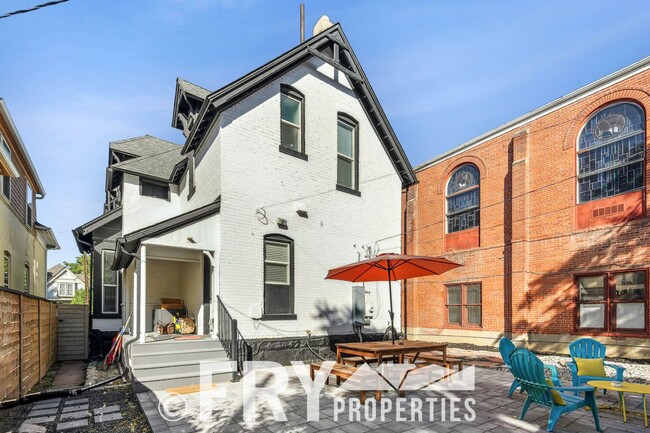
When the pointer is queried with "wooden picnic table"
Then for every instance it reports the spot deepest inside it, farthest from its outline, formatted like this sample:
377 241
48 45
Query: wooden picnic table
383 349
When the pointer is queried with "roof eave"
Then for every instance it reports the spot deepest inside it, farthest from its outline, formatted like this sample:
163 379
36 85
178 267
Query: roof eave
4 111
128 245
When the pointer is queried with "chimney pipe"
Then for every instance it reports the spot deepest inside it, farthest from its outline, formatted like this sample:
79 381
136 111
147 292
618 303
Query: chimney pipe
302 22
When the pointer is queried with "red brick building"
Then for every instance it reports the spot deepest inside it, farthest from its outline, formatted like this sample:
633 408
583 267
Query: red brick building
549 215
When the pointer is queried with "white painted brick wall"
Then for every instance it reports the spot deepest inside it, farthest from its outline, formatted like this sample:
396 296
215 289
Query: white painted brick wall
140 211
255 175
242 163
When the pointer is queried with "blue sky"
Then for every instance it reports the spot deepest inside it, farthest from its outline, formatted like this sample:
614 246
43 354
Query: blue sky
78 75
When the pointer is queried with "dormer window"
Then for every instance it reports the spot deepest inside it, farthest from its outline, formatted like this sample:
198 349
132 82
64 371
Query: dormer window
150 188
292 116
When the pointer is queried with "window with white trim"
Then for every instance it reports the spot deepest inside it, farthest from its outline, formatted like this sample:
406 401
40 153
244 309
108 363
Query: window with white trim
6 186
29 205
6 269
110 296
27 279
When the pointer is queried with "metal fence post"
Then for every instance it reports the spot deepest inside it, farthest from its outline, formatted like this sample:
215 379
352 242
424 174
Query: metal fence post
234 349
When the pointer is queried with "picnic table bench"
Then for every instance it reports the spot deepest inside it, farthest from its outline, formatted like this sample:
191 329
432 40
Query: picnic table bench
435 358
345 372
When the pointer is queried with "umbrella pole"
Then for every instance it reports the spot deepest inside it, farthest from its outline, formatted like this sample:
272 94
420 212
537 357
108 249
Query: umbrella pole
390 312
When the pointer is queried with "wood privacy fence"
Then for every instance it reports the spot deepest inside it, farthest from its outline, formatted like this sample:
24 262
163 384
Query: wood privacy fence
28 341
73 332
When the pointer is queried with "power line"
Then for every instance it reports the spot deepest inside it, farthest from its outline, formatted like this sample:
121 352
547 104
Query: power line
24 11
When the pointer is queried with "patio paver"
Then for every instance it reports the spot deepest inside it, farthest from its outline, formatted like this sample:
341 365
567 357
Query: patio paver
494 412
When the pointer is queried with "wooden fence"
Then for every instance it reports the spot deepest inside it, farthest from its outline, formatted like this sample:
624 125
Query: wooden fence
28 341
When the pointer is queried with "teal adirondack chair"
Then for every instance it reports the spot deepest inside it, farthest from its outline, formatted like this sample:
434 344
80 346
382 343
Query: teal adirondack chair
506 347
590 349
529 371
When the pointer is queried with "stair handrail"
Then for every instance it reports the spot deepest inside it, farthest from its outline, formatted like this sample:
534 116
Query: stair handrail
234 344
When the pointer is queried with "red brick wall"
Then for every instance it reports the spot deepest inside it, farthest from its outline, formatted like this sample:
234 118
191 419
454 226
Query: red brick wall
532 242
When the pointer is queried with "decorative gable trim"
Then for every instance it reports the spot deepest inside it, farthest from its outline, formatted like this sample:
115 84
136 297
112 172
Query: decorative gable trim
332 47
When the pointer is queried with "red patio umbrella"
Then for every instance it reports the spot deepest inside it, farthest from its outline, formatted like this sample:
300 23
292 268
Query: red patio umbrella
391 267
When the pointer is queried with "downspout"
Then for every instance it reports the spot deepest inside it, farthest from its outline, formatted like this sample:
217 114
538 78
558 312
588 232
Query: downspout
404 282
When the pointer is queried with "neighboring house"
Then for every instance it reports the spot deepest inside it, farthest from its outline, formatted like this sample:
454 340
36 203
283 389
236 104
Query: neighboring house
62 283
288 171
549 214
24 242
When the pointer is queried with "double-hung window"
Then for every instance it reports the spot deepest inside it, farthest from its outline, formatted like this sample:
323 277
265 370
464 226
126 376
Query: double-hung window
347 154
29 205
464 305
278 278
6 269
110 297
611 302
292 119
6 186
27 278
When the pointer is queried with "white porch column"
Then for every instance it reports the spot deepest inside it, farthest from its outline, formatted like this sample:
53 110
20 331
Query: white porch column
143 292
134 307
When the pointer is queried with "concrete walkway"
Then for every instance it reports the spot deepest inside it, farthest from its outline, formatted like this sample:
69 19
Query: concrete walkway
493 411
70 375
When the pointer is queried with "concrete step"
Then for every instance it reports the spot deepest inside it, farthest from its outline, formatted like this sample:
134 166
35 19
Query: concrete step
188 366
147 359
163 382
168 364
167 346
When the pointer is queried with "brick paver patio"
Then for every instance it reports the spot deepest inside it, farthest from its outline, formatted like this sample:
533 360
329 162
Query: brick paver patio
494 412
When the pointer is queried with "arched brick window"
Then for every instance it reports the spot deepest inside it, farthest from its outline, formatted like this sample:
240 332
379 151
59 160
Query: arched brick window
463 198
611 152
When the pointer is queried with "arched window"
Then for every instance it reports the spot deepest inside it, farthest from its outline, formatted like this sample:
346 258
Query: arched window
611 151
463 199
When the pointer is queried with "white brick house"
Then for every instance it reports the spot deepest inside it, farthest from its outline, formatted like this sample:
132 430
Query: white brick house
285 173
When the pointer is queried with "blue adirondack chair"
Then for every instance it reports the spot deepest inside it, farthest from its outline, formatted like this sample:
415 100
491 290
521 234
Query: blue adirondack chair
529 371
591 349
506 347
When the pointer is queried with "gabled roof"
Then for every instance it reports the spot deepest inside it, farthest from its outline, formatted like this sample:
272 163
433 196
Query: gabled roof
157 166
54 271
332 47
83 233
187 100
145 145
128 245
192 89
51 242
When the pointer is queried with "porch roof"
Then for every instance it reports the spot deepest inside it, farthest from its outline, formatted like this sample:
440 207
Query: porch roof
125 247
83 234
